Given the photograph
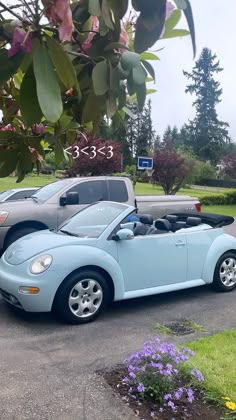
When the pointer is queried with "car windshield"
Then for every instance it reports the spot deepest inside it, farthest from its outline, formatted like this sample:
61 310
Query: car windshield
93 220
5 194
44 193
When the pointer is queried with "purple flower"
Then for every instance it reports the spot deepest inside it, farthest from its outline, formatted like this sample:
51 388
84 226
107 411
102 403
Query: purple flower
132 375
171 405
152 414
190 395
140 387
125 380
197 374
167 397
179 393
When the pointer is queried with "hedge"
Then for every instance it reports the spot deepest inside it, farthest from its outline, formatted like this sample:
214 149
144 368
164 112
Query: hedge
222 199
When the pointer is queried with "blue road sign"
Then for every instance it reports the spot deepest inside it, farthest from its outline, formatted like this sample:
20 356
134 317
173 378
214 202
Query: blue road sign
145 162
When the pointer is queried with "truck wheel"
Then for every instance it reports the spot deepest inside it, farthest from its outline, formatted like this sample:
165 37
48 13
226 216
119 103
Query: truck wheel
18 234
81 297
225 273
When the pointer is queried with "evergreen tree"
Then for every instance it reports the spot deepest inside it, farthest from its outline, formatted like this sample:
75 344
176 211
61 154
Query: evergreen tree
206 133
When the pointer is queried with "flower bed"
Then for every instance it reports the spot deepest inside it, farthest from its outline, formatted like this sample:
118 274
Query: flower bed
158 383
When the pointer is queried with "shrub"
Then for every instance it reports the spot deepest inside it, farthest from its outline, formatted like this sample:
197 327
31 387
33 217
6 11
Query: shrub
222 199
158 372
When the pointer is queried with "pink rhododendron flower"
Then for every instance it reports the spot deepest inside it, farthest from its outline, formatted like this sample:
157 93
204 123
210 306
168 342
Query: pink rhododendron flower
21 41
38 129
59 13
7 127
169 10
124 38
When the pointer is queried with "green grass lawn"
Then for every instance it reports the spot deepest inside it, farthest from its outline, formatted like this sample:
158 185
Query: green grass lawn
29 181
149 189
216 358
229 210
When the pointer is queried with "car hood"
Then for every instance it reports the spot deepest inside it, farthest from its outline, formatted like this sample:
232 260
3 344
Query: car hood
11 205
39 243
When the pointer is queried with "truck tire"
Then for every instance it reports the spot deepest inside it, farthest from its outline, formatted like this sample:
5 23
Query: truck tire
18 234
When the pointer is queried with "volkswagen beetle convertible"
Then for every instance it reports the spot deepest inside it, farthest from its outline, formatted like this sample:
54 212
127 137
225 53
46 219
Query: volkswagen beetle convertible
108 253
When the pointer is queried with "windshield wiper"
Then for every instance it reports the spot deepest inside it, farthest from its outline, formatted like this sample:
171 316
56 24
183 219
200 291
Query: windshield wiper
68 233
34 198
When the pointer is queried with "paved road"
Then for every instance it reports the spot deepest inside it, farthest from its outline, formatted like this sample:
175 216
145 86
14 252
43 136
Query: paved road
48 370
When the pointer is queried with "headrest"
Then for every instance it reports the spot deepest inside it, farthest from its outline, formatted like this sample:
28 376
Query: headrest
193 221
146 219
172 218
163 224
180 225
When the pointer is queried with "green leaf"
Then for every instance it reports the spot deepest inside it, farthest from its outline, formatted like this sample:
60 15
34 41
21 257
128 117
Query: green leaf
94 8
141 96
8 135
129 60
48 89
186 7
60 155
71 136
175 33
119 7
111 104
173 20
131 86
129 112
100 77
139 75
149 69
25 164
62 63
9 66
148 56
150 91
115 46
29 105
8 162
93 107
106 14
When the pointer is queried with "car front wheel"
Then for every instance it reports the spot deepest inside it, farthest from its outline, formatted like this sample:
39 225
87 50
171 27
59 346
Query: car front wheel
81 297
225 273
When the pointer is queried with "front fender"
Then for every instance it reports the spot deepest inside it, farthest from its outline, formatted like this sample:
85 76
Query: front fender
220 245
78 256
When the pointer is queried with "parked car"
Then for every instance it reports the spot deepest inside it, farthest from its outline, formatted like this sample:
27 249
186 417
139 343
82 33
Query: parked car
54 203
16 194
101 255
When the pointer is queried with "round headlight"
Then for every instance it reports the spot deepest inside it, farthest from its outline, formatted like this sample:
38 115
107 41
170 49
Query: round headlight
40 264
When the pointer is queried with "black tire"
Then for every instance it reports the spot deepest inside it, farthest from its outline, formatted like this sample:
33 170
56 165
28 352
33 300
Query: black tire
18 234
86 278
225 268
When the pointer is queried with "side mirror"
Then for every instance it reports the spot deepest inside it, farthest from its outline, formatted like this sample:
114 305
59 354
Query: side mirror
69 199
124 234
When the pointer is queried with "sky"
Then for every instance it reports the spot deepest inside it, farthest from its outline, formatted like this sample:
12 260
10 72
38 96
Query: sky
215 29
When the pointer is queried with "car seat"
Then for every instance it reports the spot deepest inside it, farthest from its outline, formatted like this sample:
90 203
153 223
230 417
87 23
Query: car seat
145 225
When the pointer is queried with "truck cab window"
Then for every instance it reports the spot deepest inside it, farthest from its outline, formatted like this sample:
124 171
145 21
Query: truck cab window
91 191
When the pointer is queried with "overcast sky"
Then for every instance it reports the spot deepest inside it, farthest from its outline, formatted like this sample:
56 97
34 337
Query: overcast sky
216 29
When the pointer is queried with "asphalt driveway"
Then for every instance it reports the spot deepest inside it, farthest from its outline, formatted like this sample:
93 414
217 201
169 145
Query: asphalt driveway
48 370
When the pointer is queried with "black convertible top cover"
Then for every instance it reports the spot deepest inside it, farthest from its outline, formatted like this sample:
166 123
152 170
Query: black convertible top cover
214 220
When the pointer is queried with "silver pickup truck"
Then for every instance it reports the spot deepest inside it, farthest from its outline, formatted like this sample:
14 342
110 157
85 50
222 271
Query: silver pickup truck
49 206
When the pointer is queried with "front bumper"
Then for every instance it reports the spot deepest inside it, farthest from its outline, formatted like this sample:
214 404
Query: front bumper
12 277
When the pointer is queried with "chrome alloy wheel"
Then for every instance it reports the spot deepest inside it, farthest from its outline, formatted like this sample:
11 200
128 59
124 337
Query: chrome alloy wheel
85 298
228 272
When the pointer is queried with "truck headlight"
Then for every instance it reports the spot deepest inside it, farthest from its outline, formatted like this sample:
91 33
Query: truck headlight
40 264
3 216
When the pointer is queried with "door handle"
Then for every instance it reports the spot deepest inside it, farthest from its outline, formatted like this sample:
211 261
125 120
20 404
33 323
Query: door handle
180 243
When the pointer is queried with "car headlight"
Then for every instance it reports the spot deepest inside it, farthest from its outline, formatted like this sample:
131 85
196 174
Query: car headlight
3 216
40 264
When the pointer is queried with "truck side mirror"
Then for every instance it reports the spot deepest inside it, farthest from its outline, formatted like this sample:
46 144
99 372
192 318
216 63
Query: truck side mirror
69 199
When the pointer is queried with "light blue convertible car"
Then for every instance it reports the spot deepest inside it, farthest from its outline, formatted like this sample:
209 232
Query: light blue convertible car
106 252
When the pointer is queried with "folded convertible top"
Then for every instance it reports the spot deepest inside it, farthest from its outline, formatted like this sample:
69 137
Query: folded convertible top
214 220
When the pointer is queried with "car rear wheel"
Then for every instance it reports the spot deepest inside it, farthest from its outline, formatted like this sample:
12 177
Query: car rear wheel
19 234
81 297
225 273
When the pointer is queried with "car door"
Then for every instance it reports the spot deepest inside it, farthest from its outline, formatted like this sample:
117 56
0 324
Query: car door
89 192
198 243
152 261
